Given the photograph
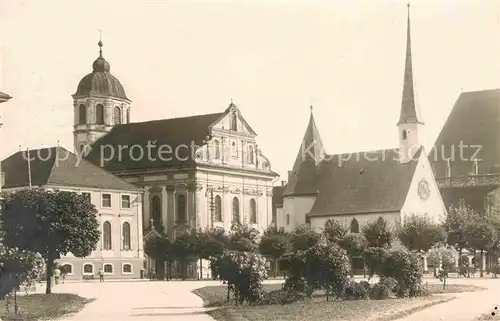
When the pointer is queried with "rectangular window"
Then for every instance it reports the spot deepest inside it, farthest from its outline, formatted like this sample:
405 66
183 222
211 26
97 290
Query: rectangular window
2 179
125 201
87 197
106 200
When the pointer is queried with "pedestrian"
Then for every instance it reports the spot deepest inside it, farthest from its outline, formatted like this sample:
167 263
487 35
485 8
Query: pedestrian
101 275
57 274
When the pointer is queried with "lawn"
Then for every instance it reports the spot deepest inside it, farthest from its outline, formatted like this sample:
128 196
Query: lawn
321 310
43 306
217 295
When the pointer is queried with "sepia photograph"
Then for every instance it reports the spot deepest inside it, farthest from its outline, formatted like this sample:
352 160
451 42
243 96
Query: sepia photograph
249 160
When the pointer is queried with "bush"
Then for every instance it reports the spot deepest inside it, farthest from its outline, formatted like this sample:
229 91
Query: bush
379 292
282 296
406 269
244 273
355 291
365 284
390 283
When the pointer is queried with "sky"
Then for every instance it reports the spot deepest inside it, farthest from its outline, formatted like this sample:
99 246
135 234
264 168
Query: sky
273 58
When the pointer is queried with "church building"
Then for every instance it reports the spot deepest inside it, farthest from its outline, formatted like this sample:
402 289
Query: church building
356 188
198 171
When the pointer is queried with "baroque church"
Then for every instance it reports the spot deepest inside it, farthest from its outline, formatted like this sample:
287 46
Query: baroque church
356 188
196 172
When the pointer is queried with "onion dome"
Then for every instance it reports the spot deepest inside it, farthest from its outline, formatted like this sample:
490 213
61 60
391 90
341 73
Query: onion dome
100 82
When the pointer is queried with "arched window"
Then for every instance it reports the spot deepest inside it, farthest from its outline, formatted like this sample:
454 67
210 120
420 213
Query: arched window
156 209
81 148
128 116
117 115
82 114
253 211
126 236
67 268
218 209
127 268
287 219
234 121
328 224
250 154
217 149
181 209
106 235
236 210
108 268
354 226
88 269
405 134
99 114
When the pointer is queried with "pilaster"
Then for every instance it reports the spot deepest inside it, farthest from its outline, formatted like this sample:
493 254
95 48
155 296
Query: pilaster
170 211
140 249
164 208
147 212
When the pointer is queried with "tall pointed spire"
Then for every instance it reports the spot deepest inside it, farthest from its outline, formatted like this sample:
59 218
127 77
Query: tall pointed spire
409 109
311 153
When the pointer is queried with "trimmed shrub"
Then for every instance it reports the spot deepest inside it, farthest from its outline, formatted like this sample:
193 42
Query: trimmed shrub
365 284
354 291
390 283
282 296
406 269
379 292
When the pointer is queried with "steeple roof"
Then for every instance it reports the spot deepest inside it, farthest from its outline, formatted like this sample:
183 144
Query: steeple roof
409 109
311 153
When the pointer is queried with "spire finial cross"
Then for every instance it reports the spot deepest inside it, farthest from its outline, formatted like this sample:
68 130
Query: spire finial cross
100 34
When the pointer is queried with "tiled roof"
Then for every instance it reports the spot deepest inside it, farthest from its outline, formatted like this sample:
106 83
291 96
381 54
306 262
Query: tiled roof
474 123
364 182
175 134
59 167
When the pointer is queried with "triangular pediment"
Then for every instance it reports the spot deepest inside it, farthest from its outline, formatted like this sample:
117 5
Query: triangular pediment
233 120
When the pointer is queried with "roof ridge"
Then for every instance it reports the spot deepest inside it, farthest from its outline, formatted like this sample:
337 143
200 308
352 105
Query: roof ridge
185 117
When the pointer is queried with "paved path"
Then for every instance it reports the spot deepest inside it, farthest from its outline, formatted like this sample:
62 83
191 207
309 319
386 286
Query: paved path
139 301
467 306
173 300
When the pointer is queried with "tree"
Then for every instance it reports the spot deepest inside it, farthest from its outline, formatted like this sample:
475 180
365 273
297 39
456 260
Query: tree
184 251
378 233
274 246
481 236
52 223
335 231
444 255
243 238
211 243
157 247
456 224
303 238
354 244
419 233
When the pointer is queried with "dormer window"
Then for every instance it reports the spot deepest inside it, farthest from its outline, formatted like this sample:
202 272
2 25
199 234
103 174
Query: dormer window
234 121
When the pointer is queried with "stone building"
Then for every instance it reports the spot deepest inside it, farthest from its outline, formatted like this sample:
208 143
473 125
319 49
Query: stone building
197 172
119 252
356 188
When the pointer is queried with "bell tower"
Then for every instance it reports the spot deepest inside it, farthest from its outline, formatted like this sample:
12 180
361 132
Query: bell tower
410 121
100 103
